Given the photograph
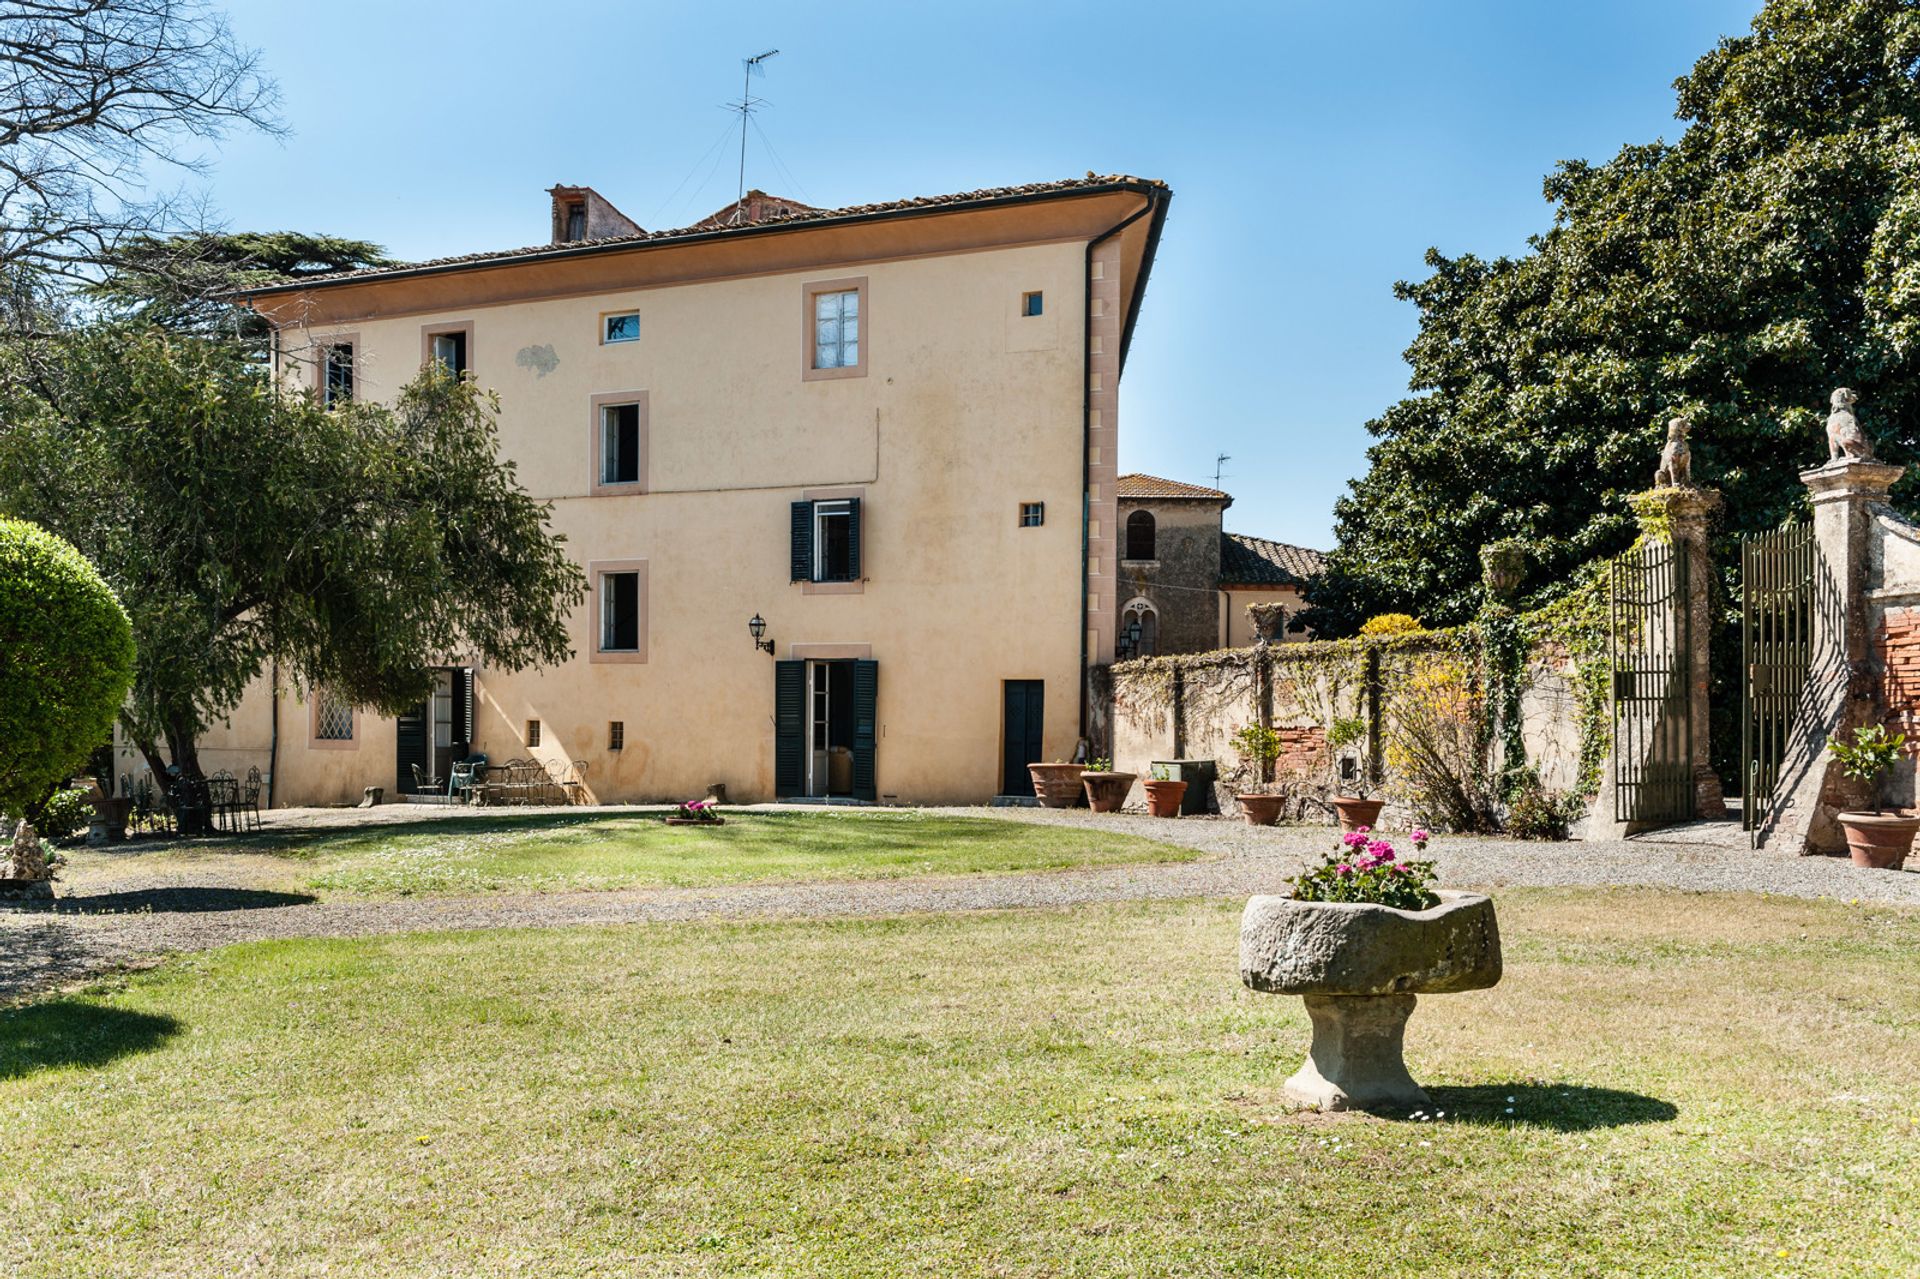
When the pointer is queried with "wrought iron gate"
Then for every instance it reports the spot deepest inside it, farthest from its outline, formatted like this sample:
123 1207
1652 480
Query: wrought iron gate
1650 638
1776 652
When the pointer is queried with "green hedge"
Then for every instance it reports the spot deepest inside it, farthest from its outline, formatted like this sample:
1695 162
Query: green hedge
66 661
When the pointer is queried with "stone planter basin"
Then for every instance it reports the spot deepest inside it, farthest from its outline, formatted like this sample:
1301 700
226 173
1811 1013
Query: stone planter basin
1359 968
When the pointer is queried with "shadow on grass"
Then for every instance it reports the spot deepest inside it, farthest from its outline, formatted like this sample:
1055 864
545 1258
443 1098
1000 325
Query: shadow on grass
185 900
69 1032
1560 1107
862 825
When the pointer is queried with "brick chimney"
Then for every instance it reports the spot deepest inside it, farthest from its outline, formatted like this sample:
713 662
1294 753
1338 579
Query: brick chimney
581 213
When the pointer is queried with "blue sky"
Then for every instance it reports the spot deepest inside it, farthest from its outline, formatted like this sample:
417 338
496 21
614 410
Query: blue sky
1315 150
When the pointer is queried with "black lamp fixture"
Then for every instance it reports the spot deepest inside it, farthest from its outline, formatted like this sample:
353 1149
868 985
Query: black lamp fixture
758 626
1130 638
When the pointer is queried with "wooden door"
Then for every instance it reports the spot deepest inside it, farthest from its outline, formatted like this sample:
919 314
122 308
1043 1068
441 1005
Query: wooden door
1022 738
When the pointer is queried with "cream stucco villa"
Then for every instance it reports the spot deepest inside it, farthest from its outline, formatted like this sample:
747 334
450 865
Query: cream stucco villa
888 431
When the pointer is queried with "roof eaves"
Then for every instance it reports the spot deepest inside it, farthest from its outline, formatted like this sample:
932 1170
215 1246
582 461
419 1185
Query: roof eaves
931 207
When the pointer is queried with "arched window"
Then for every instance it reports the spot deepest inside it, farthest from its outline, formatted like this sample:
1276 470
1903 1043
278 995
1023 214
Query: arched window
1140 535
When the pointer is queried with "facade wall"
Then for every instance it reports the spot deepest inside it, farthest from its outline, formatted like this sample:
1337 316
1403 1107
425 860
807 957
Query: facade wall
1181 580
967 408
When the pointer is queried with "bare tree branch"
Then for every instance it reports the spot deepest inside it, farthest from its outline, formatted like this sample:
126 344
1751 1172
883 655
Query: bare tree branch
94 96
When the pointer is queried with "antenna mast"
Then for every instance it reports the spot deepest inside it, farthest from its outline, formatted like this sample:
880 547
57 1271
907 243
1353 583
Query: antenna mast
745 107
1219 467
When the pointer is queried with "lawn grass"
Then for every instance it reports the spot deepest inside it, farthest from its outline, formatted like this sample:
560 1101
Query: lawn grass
548 852
1698 1086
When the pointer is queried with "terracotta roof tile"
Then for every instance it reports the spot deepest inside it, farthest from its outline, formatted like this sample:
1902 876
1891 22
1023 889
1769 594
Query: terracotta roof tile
1255 561
929 202
1143 486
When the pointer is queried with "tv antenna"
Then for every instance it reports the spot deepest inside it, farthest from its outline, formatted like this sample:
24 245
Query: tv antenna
753 67
1219 467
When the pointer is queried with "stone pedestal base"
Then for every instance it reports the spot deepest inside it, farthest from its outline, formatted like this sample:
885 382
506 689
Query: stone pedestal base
25 894
1355 1061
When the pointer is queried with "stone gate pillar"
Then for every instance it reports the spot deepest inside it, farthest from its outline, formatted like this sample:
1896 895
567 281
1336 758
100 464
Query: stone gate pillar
1843 677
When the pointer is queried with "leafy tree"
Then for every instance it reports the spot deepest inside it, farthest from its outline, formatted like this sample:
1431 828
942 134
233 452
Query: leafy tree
66 659
97 96
240 524
182 282
1734 277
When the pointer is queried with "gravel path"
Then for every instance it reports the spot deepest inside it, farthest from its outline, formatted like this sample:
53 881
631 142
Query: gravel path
112 915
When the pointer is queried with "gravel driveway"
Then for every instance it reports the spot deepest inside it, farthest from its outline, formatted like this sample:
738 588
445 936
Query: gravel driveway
112 916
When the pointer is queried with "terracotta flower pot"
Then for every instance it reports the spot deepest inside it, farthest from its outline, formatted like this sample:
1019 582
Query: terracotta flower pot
1107 791
1261 810
1880 841
1057 785
1355 813
1163 798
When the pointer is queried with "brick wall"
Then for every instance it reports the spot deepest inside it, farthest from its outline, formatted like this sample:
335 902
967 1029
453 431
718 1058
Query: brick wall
1302 750
1896 642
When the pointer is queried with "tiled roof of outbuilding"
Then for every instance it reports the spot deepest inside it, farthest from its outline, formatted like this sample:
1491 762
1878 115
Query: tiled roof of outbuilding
1149 486
1255 561
985 196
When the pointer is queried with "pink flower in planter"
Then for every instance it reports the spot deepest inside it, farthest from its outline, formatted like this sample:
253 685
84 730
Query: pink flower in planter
1345 869
1419 838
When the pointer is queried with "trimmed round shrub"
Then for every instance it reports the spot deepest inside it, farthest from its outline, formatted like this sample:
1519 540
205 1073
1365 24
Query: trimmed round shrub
66 662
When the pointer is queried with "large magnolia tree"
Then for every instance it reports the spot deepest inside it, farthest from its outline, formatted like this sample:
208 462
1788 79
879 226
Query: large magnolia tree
242 525
1734 276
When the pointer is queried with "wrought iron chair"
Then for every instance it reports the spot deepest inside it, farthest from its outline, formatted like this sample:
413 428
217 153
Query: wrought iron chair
248 808
223 799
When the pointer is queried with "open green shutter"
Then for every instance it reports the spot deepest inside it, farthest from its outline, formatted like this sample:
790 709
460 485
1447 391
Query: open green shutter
789 728
853 539
802 542
866 694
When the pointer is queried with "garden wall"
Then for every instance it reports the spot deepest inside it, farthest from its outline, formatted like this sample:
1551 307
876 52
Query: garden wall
1189 707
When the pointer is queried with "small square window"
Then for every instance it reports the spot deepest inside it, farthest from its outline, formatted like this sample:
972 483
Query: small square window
624 327
1032 303
533 732
1033 514
616 734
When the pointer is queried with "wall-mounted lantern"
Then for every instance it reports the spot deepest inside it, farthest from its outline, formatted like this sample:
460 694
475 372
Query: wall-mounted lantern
1129 641
758 627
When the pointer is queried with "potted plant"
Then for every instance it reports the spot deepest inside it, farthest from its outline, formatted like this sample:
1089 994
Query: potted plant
1057 785
1875 839
1106 789
1164 793
1260 746
696 812
1359 938
1351 801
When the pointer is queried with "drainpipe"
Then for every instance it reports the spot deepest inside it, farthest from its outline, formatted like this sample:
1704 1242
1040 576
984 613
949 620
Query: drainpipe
273 741
1154 198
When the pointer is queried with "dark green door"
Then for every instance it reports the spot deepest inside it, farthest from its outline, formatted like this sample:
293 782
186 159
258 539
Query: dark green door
1022 738
410 748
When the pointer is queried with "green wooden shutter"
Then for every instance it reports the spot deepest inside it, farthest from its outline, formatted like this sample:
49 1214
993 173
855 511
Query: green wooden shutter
853 539
866 692
463 707
802 542
789 728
